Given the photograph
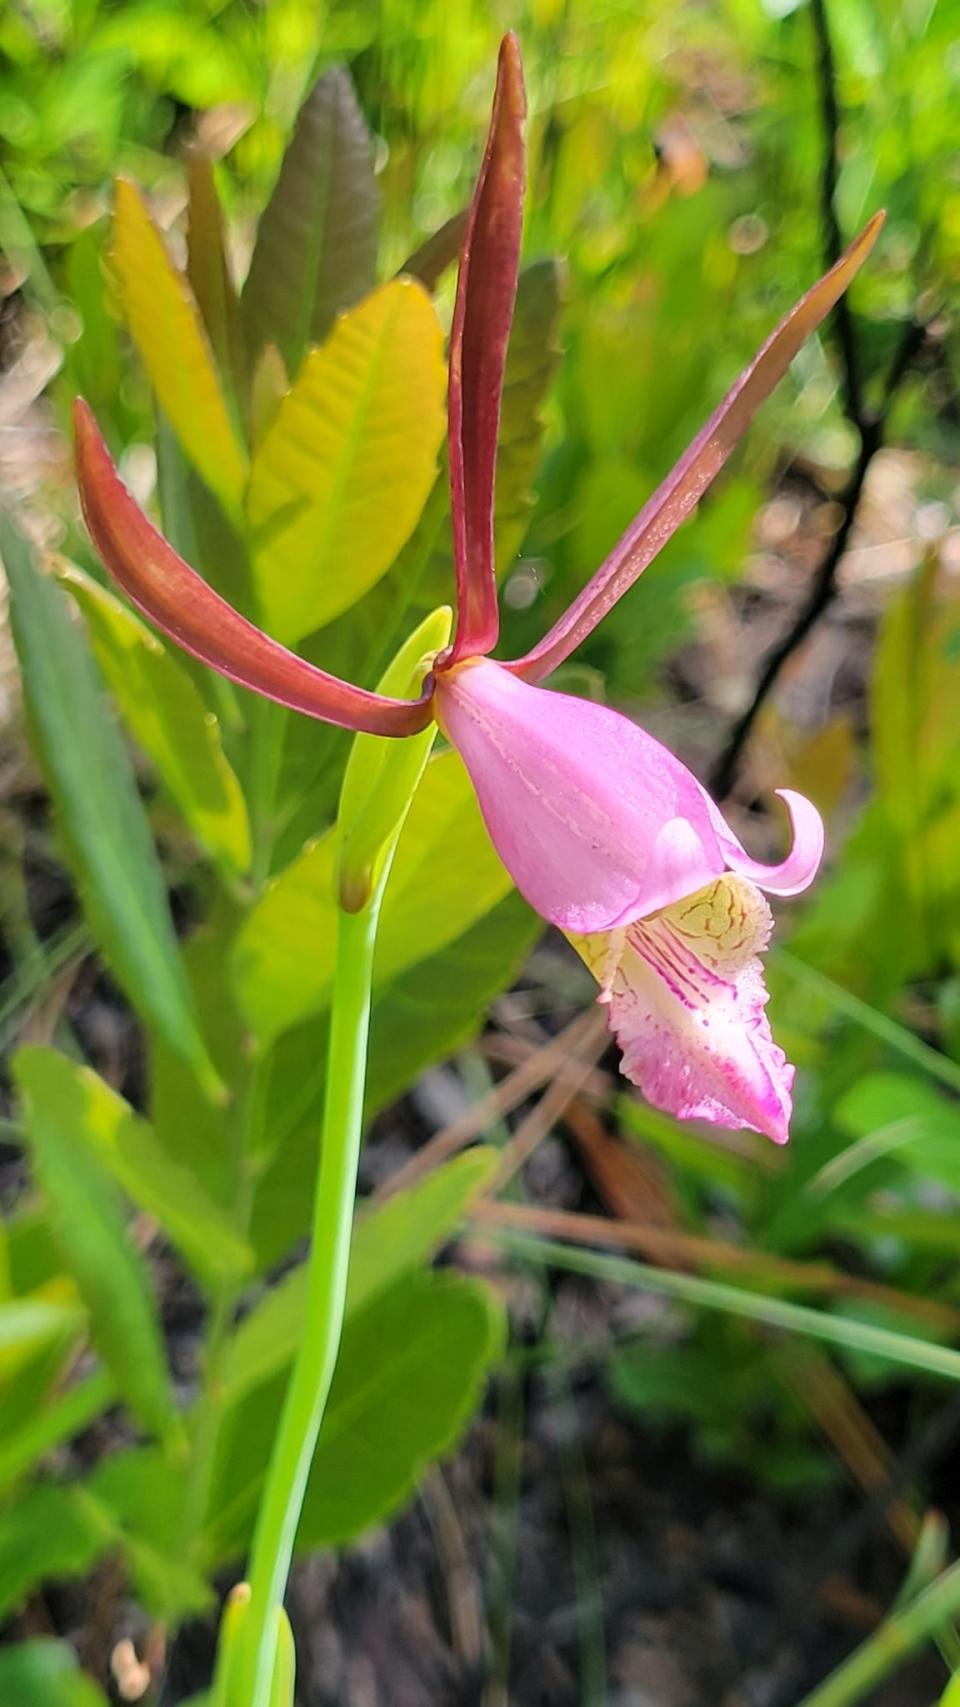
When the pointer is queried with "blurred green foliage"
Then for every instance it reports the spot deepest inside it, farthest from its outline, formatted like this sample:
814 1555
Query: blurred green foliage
676 170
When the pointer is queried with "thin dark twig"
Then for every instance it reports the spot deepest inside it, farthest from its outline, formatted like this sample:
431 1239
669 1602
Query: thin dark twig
824 583
870 425
832 235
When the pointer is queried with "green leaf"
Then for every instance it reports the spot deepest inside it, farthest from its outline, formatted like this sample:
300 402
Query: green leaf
408 1376
436 253
382 776
421 1017
91 1117
198 1134
29 1324
47 1533
169 719
146 1500
445 877
387 1243
45 1673
100 815
197 528
431 1009
533 355
285 1664
408 1379
162 316
316 247
53 1423
896 1119
89 1227
343 472
208 272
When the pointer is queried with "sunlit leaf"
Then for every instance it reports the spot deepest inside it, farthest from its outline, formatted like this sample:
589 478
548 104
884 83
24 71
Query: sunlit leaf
900 1120
167 716
208 271
316 246
99 813
93 1118
435 1007
532 358
533 355
407 1379
169 334
46 1673
445 876
90 1228
29 1324
436 253
47 1532
146 1500
343 472
51 1424
420 1017
387 1242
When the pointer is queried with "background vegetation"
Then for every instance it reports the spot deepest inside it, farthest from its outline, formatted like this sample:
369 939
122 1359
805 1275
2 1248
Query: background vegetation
791 1338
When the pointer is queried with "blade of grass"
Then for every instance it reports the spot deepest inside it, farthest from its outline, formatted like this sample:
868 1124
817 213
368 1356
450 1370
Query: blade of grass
887 1030
883 1652
689 1250
843 1331
584 1557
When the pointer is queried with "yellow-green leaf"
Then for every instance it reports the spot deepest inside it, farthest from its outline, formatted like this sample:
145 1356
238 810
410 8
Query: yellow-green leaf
445 876
166 714
100 817
89 1225
166 327
342 474
93 1119
387 1243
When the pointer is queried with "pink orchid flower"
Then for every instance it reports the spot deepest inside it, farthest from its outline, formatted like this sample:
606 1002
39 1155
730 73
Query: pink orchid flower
607 834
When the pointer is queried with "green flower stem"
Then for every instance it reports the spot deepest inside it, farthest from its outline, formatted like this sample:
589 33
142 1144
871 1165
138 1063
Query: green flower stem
306 1398
884 1651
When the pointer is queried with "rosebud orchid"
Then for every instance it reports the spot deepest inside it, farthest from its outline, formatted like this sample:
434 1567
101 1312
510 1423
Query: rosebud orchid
605 833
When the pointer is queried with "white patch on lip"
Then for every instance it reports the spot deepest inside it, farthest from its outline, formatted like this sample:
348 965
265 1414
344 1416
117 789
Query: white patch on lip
686 996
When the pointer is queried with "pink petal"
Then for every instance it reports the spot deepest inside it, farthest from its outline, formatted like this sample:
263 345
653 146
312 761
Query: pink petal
596 822
802 863
687 1004
486 291
685 485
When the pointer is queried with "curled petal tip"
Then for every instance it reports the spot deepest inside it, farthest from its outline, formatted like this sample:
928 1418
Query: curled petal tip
791 875
795 873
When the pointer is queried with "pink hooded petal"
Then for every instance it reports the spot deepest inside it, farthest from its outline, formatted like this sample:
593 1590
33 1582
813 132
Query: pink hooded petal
597 823
802 863
687 1004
